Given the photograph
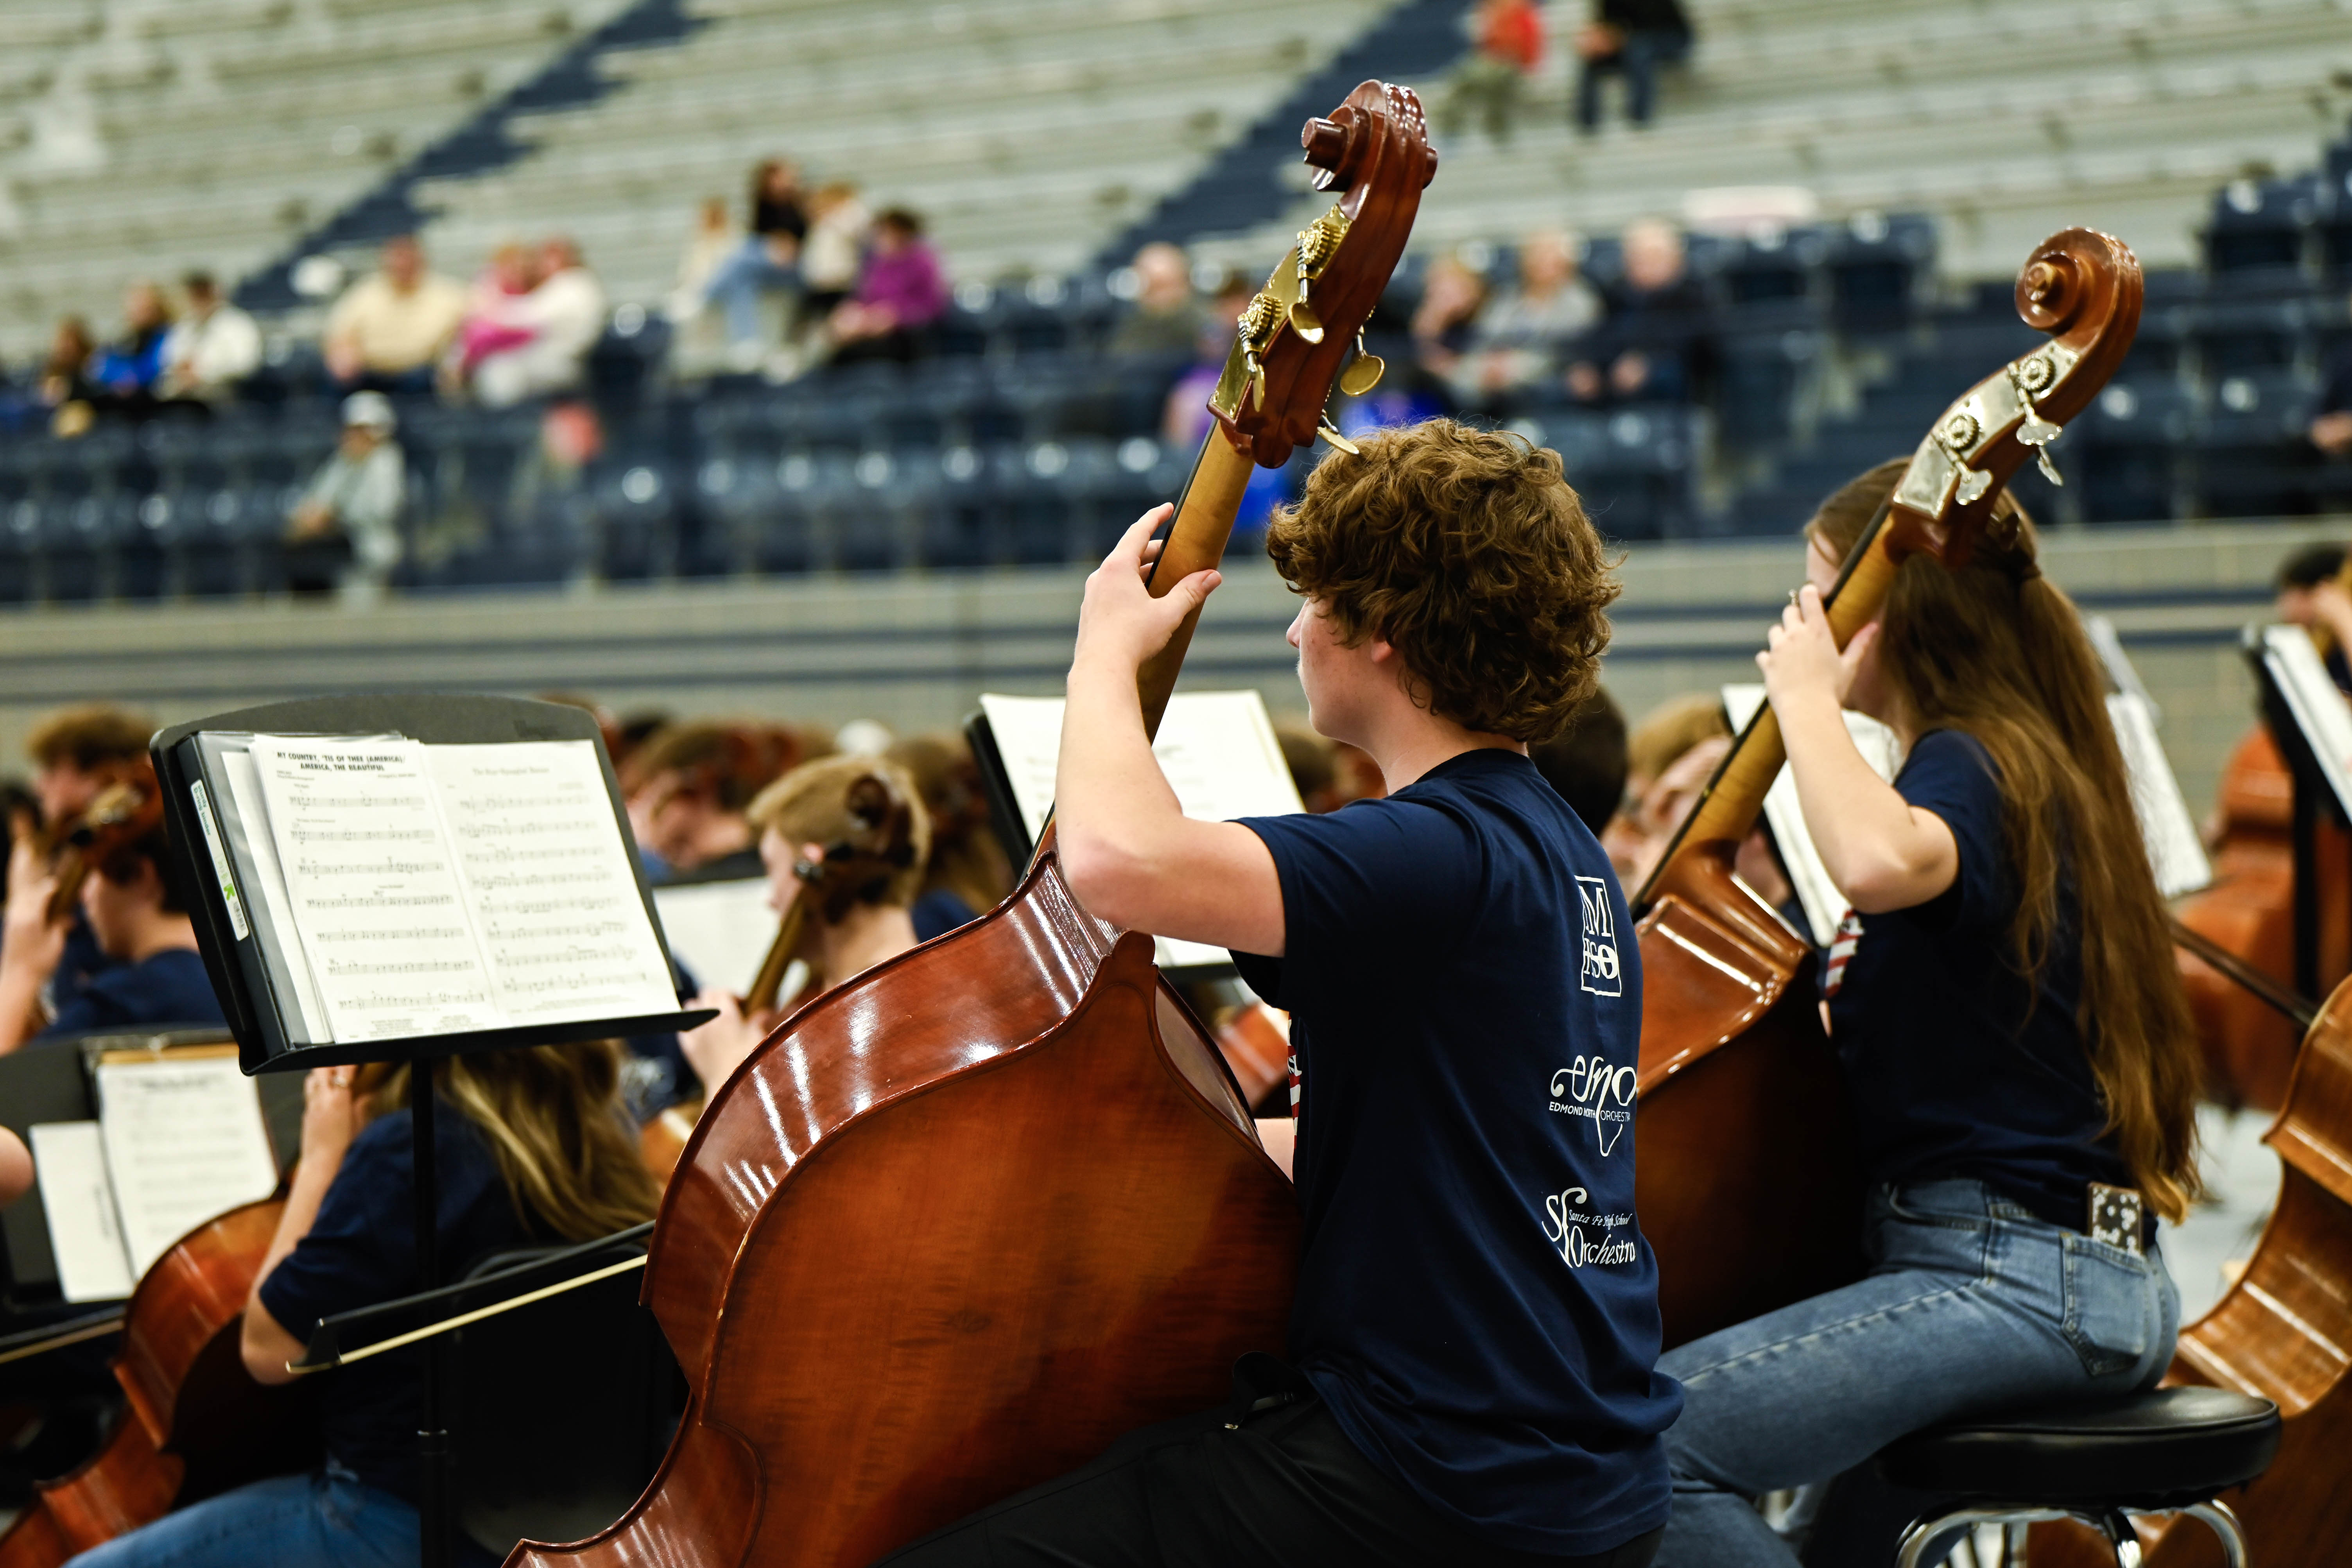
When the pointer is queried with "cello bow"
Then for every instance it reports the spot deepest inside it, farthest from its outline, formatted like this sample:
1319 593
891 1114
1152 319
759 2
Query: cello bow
1745 1172
962 1221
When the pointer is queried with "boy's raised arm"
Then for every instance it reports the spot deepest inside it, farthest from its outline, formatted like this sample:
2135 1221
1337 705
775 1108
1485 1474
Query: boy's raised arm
1128 850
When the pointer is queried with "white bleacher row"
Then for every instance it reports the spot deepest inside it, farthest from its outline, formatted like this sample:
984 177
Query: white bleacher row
2005 120
214 131
1026 132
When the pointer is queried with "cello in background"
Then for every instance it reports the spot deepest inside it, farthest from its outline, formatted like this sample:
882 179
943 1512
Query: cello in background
2282 1332
2249 910
962 1221
1746 1176
198 1423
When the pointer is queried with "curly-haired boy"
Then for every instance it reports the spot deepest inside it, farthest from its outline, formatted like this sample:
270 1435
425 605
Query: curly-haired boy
1475 1329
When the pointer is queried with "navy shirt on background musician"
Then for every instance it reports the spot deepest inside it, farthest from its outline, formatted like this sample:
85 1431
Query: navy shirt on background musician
361 1251
1475 1303
166 987
1950 1075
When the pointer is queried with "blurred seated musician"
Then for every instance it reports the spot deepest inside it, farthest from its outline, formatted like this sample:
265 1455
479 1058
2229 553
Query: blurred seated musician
137 911
969 873
2311 593
689 786
534 1147
76 752
844 841
1586 762
15 1168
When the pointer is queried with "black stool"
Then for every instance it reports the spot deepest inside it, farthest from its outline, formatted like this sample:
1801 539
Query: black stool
2171 1450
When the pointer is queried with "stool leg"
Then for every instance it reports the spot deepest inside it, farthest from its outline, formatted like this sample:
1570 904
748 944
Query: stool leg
1929 1541
2222 1521
2122 1539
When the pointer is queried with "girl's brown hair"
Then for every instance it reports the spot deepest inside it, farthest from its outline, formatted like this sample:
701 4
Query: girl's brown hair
868 817
554 1118
1993 649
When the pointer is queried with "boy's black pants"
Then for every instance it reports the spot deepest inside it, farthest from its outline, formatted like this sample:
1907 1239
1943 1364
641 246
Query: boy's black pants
1282 1488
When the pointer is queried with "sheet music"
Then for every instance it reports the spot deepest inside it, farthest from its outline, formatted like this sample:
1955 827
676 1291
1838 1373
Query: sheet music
719 930
2174 851
376 897
253 809
184 1141
2319 709
1824 906
1217 747
548 881
76 1199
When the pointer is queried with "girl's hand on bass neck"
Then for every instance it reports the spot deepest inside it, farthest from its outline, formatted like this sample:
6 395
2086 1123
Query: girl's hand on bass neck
1801 661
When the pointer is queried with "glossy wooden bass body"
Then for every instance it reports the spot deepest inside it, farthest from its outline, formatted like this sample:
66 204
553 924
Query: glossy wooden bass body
2250 1047
1745 1168
198 1423
962 1221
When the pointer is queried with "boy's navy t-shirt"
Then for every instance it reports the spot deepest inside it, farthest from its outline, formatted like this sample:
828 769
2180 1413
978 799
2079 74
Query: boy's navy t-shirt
362 1250
1960 1067
1475 1303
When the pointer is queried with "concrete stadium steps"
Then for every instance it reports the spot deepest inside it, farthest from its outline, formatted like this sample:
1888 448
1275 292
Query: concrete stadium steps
2002 119
214 132
1027 131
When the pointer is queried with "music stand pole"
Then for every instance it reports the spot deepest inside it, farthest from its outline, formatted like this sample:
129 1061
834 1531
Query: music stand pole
432 1436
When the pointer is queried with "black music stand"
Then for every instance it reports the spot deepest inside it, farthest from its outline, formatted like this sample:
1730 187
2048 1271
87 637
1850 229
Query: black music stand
264 1044
2312 786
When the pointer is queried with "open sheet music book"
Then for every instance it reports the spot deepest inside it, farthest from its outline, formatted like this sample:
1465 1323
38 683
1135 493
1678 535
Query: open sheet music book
179 1140
1217 747
391 888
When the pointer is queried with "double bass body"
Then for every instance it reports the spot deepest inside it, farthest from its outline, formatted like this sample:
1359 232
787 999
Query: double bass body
1062 1228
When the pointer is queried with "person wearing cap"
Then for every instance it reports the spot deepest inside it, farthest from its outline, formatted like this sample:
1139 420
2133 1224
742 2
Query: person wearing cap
344 533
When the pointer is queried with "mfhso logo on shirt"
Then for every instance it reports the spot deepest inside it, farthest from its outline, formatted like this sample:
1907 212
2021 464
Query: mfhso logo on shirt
1601 973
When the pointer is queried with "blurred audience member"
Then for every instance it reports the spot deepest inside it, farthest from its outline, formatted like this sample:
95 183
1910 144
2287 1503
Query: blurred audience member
1519 338
1166 319
549 331
1443 322
768 258
126 371
65 387
839 227
969 872
1507 39
388 330
1633 38
900 291
1653 347
211 349
1587 763
493 316
1184 415
344 533
699 341
2331 430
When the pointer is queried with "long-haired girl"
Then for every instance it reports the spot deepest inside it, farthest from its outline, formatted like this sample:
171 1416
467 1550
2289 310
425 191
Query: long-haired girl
2003 997
533 1146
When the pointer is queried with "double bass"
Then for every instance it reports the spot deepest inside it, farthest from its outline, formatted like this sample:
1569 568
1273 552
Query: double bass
196 1423
1745 1171
960 1222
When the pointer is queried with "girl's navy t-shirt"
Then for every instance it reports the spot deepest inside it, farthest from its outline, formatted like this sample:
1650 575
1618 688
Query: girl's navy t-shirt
1475 1303
1959 1066
362 1250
